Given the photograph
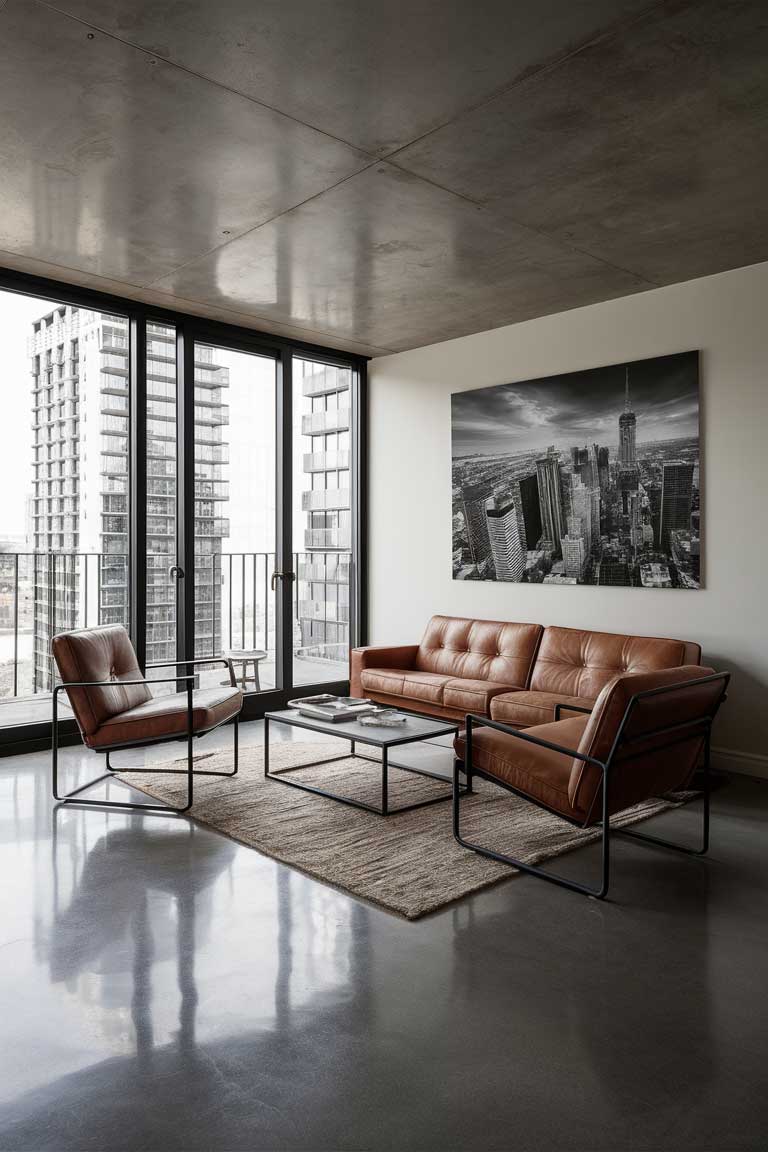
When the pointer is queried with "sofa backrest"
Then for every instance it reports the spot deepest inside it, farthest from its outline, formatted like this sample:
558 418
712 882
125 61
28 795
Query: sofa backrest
479 649
575 662
643 767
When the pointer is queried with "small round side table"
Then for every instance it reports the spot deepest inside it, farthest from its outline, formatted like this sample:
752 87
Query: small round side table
245 656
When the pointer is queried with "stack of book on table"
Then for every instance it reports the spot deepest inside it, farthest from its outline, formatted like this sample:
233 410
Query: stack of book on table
332 708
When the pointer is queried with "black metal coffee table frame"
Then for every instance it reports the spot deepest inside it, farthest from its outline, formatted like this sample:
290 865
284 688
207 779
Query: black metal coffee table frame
375 740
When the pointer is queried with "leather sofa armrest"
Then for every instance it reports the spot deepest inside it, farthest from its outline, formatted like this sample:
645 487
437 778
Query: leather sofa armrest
402 656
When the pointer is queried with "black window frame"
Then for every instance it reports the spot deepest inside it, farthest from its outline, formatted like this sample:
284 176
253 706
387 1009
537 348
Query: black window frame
190 329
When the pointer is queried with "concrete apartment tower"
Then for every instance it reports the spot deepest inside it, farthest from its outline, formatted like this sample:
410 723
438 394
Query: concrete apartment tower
323 568
80 402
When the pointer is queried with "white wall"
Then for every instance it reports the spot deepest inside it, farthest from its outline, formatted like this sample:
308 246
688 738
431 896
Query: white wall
725 316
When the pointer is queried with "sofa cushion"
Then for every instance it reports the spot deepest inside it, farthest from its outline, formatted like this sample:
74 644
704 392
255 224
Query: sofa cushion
479 649
523 709
539 772
406 682
573 662
472 695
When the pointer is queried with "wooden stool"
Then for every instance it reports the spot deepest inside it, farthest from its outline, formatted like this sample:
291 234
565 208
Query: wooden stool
245 656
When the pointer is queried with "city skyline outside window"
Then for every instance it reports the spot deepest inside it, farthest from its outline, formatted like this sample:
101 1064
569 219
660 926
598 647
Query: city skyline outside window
66 387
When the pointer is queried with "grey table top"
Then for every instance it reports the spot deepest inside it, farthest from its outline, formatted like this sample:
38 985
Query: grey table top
415 728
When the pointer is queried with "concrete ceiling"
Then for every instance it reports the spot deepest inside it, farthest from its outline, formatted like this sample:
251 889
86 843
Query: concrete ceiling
377 176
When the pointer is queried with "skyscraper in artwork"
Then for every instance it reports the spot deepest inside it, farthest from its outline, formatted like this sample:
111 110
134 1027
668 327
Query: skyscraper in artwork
504 536
551 499
676 498
627 431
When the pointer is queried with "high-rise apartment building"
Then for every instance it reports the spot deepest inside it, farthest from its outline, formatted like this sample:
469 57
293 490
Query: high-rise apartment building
583 512
324 568
574 554
530 511
474 497
551 499
676 499
79 362
504 535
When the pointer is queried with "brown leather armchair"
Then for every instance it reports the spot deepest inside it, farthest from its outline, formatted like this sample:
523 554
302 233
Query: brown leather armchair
647 733
114 707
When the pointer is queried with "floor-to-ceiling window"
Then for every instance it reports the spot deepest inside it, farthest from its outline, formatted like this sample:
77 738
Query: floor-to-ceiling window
322 517
243 543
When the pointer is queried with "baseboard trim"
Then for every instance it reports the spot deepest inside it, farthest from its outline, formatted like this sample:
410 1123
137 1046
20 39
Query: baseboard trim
748 763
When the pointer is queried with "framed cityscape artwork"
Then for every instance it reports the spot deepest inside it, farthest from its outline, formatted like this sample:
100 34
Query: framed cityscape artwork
585 478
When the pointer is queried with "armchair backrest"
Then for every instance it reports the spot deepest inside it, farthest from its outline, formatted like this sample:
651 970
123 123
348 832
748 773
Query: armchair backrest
479 649
99 654
643 767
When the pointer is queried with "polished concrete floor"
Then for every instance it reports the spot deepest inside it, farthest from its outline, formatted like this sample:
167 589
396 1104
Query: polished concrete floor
164 988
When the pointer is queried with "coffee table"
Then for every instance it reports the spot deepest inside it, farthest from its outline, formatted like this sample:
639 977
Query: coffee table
415 728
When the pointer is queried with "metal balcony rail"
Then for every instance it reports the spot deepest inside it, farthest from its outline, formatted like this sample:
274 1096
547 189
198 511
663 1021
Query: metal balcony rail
42 593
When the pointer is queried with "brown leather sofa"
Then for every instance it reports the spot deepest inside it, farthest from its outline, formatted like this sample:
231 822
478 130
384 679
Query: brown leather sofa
515 673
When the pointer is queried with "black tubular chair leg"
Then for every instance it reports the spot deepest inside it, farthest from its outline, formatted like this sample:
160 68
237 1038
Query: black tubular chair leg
75 797
598 893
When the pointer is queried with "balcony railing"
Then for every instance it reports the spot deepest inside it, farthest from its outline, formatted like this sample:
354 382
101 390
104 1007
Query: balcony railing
42 593
334 420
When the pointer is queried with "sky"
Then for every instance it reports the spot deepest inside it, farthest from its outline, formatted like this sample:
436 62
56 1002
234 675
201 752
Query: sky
579 408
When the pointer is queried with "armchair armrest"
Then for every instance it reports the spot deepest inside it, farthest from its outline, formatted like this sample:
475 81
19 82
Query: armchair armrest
473 720
188 688
400 656
114 683
194 660
571 708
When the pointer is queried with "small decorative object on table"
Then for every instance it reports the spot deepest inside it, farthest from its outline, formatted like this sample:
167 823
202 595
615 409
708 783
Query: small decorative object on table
384 718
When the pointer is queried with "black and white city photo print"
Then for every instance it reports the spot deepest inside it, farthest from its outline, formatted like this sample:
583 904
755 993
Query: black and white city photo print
585 478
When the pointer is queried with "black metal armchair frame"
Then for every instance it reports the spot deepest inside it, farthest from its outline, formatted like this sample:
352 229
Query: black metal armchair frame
75 797
677 733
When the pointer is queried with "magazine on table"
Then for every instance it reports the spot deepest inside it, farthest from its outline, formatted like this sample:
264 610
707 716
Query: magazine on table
332 708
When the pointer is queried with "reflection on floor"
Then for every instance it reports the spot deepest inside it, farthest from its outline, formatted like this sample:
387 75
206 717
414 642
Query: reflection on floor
165 988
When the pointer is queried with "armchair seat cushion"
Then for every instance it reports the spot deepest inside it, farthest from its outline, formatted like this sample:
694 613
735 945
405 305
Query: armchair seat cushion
164 716
525 709
537 772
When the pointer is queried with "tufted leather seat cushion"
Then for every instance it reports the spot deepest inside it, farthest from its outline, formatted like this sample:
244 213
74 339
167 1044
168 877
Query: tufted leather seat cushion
576 663
523 709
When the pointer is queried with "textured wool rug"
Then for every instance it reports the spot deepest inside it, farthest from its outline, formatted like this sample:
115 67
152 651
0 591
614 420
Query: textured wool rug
410 863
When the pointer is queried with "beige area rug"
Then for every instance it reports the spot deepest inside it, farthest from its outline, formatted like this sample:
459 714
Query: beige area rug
410 863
